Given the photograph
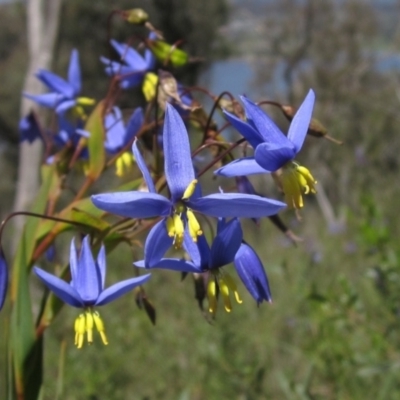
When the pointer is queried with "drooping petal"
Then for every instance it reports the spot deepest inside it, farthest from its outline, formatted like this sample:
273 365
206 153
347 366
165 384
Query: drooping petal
49 100
236 205
245 129
3 279
143 167
29 129
74 72
264 124
173 264
149 59
226 243
60 288
301 121
55 83
115 131
179 170
120 288
241 166
251 271
88 283
157 243
272 157
101 264
133 204
64 106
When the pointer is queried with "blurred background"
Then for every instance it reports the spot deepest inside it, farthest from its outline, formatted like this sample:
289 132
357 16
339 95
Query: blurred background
332 331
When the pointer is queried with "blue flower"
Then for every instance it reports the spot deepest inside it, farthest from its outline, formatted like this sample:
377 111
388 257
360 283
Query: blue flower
205 260
273 150
185 192
63 93
251 271
132 68
29 129
86 289
118 136
3 279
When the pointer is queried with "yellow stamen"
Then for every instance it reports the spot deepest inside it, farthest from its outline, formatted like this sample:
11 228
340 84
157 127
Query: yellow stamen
149 86
123 163
100 327
85 101
232 286
194 226
80 329
224 289
89 326
189 190
212 295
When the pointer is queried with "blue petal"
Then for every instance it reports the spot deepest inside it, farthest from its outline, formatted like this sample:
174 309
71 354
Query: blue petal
49 100
29 129
264 124
241 166
173 264
245 129
143 167
149 59
101 264
3 279
301 121
74 72
236 205
73 263
226 243
115 131
56 83
64 106
272 157
60 288
129 55
120 288
179 170
157 243
199 252
133 204
251 271
88 283
134 124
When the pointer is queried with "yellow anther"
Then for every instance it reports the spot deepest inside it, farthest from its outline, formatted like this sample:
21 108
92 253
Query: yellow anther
89 326
224 289
308 178
85 101
80 328
232 286
212 295
194 226
189 190
100 327
170 227
178 230
123 163
149 86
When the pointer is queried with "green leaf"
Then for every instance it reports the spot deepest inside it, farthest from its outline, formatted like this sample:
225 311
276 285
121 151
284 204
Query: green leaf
97 155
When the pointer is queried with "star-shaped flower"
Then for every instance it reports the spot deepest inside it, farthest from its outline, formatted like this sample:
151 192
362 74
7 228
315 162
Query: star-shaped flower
273 150
86 289
133 66
63 93
185 191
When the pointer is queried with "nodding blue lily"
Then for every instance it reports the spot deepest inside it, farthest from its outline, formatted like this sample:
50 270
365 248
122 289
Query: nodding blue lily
204 259
3 279
133 66
273 150
118 136
63 93
186 198
29 129
251 272
86 289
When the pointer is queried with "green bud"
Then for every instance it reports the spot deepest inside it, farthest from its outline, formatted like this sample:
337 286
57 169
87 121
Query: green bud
167 53
135 16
